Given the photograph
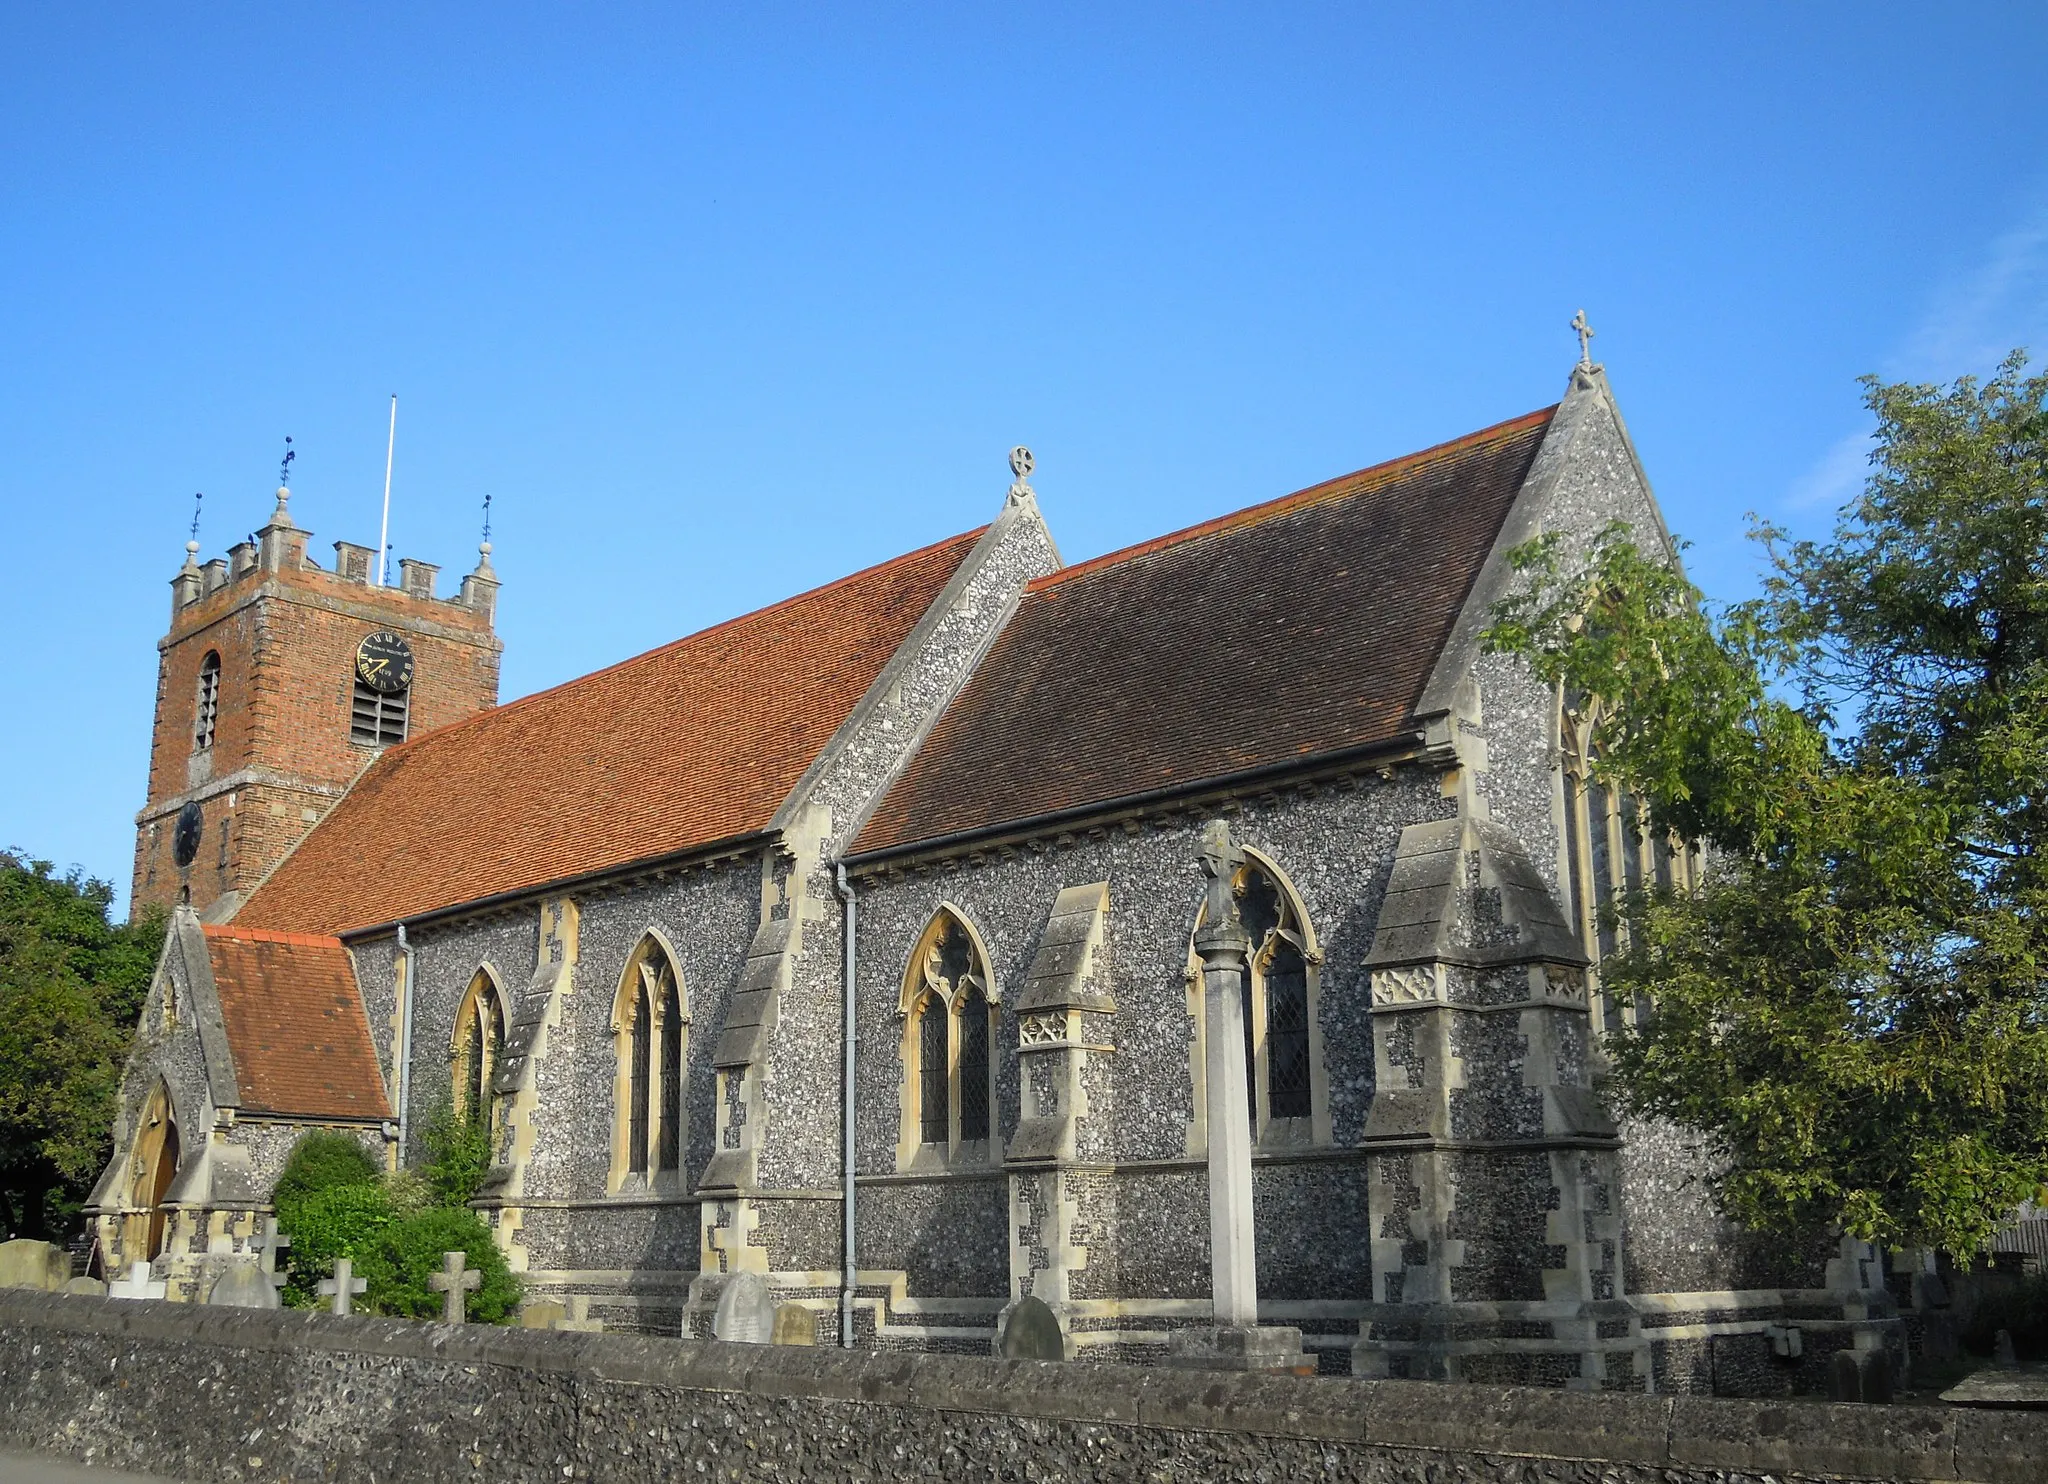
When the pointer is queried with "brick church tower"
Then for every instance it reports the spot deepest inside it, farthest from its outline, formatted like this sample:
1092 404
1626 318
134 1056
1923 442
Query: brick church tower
278 681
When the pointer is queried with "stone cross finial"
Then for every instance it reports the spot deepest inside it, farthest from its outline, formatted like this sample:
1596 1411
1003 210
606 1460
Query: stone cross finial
1221 860
1021 465
1585 333
267 1247
343 1286
454 1280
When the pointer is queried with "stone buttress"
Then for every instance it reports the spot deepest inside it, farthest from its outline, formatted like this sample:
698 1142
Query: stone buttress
772 1189
1065 1019
1495 1230
518 1084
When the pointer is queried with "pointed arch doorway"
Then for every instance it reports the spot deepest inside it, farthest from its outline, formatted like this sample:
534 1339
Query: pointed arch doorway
157 1152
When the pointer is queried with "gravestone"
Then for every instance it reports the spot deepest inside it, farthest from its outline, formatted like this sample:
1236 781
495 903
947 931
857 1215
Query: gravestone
1027 1329
2002 1352
341 1289
27 1264
540 1314
137 1284
1860 1376
242 1285
578 1320
794 1325
745 1313
90 1287
455 1282
268 1246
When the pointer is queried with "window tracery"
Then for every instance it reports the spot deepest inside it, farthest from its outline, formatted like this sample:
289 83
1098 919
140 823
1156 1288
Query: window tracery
650 1024
949 1014
1282 1051
479 1047
1610 848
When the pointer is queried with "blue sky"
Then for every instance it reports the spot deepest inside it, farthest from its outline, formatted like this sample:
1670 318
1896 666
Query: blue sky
721 302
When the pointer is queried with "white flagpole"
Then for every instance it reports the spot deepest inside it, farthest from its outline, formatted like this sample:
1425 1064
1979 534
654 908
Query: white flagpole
384 532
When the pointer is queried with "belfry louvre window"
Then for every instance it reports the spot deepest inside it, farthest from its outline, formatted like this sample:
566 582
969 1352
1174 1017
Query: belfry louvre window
378 719
948 1038
206 718
651 1027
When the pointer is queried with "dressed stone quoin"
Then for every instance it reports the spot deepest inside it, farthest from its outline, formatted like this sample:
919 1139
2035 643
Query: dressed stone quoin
1188 955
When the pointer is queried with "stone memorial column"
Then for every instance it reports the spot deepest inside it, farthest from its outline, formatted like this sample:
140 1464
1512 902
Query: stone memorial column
1237 1341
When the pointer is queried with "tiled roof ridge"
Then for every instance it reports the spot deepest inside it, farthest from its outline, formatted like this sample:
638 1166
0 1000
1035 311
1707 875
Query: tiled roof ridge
411 743
268 935
1328 489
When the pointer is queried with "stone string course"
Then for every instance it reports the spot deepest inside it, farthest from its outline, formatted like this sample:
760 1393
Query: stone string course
249 1396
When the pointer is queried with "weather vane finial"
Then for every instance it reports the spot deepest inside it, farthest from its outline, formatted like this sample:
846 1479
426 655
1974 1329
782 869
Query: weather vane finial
284 466
197 497
1021 465
1585 333
487 519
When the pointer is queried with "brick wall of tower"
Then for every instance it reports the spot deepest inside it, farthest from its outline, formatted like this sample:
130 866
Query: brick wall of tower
286 632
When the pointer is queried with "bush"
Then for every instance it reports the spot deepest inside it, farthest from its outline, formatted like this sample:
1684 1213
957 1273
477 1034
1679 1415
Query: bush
322 1161
458 1155
341 1221
408 1251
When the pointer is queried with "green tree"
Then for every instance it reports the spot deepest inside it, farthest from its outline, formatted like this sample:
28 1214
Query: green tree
1852 1004
71 988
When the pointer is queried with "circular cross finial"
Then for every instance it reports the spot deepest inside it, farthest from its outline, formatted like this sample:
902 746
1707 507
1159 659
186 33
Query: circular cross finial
1021 462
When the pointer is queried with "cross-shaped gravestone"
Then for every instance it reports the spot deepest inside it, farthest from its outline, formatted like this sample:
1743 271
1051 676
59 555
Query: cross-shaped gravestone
578 1318
136 1285
453 1282
343 1286
267 1247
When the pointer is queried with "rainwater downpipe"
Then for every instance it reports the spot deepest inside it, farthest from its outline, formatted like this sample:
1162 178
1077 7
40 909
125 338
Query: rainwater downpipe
404 1042
850 1277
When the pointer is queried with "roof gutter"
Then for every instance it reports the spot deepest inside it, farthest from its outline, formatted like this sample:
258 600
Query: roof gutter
1401 748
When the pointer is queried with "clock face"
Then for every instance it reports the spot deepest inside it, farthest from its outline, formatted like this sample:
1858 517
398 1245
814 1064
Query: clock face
187 833
384 663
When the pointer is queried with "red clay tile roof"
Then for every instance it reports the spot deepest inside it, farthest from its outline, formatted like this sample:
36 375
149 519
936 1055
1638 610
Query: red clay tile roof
1299 627
695 742
295 1025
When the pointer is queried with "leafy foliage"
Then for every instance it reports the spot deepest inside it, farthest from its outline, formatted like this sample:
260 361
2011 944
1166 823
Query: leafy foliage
320 1161
72 985
458 1155
1852 1005
339 1221
393 1228
407 1253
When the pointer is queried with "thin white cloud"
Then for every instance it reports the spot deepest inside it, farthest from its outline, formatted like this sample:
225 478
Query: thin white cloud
1971 323
1978 317
1835 475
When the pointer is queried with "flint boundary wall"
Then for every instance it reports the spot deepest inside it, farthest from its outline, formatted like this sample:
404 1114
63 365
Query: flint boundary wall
244 1395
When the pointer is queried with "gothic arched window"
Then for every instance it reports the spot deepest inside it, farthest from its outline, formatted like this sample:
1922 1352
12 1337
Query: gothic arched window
1282 1041
651 1028
206 714
949 1031
1610 847
479 1046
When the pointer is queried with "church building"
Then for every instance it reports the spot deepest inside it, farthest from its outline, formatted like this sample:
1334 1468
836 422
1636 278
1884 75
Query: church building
858 943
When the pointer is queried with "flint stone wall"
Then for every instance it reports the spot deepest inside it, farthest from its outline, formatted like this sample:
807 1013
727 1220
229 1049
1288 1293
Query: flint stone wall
240 1395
